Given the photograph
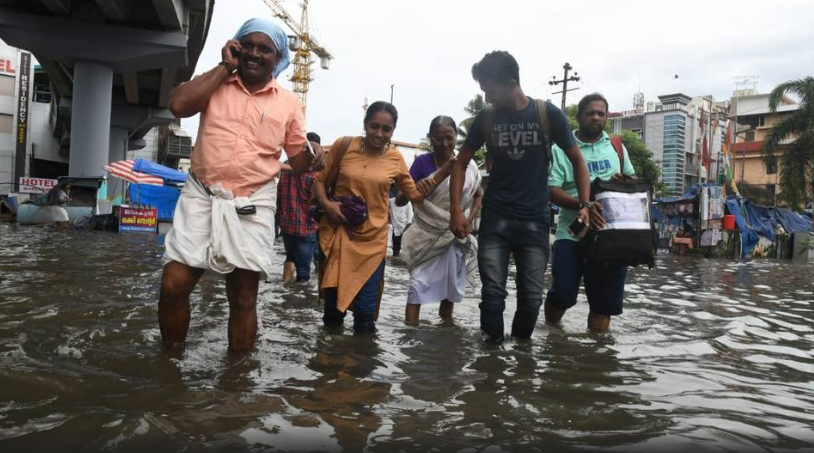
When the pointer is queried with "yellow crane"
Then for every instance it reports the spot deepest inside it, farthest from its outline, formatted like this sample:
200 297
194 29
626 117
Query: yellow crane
302 44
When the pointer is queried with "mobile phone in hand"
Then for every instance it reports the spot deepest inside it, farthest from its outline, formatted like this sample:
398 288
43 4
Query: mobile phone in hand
235 50
576 228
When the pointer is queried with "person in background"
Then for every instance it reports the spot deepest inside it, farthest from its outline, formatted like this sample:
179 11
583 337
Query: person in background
400 218
353 272
61 217
299 230
440 264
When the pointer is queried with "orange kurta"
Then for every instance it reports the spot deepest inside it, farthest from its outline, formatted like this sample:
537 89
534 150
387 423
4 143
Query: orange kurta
351 262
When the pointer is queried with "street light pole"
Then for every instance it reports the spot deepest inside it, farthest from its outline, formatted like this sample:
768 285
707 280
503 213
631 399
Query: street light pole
391 93
565 79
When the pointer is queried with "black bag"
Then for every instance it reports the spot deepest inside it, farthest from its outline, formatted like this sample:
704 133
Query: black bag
629 236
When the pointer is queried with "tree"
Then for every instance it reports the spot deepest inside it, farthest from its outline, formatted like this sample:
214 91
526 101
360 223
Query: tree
472 108
642 160
796 161
571 114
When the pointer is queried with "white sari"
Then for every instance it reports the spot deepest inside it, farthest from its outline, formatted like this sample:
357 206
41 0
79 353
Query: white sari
440 264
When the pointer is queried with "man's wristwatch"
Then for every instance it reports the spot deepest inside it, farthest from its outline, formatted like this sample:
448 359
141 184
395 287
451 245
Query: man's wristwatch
586 204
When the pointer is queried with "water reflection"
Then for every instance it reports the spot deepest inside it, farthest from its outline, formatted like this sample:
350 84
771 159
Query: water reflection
708 352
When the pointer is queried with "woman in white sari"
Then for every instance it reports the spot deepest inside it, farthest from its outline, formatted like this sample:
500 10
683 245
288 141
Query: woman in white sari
440 264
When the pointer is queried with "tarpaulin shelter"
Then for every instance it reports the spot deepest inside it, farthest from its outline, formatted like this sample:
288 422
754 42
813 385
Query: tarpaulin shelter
754 219
169 175
163 198
152 184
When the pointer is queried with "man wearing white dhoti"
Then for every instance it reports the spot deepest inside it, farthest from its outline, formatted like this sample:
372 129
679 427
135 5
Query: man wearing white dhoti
224 220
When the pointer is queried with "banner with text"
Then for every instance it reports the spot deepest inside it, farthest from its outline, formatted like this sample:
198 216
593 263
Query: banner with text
36 185
138 219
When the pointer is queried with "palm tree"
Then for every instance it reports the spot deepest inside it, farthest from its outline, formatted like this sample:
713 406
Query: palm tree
797 159
472 108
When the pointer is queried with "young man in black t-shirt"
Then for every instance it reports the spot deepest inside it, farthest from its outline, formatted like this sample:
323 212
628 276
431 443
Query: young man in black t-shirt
515 206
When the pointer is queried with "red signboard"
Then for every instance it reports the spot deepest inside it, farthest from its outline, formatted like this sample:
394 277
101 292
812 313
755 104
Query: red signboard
7 67
138 219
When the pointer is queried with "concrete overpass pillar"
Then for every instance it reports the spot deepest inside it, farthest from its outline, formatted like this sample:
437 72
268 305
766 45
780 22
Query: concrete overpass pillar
90 118
117 151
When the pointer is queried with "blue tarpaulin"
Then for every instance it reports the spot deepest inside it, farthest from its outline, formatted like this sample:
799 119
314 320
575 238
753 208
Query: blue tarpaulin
690 194
760 218
164 198
793 222
749 237
151 168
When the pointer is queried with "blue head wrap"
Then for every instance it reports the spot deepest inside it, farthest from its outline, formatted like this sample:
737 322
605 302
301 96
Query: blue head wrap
277 35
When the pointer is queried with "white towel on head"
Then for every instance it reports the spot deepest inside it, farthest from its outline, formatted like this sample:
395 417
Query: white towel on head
208 233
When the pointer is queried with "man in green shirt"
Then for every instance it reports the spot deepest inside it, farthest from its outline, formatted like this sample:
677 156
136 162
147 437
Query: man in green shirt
604 285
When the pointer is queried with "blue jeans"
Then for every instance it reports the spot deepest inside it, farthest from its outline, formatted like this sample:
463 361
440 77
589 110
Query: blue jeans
604 285
300 251
498 239
364 305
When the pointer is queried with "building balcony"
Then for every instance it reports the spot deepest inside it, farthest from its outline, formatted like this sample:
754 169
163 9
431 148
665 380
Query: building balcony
746 147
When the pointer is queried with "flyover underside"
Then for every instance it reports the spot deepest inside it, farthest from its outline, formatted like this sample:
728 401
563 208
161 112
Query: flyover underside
113 64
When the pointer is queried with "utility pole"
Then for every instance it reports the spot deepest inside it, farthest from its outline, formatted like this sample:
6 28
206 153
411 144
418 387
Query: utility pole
565 79
391 93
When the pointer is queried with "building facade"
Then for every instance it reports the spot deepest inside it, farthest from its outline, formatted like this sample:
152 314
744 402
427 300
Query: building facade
28 147
39 146
673 130
754 119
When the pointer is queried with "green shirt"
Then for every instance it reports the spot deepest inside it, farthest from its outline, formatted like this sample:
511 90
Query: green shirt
603 163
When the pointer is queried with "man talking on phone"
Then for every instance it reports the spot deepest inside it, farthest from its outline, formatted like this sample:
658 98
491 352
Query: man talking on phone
224 220
604 284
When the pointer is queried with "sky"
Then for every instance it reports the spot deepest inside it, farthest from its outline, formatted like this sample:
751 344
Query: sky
426 50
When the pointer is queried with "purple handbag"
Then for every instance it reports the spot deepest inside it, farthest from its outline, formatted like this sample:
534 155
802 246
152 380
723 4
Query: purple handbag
354 209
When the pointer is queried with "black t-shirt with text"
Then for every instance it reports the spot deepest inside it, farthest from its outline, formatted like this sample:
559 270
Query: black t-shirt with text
518 179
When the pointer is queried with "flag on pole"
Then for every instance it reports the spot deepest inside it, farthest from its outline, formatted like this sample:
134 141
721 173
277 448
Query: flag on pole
124 169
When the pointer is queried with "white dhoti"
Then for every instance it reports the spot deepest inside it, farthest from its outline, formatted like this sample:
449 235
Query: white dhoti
208 233
57 213
440 264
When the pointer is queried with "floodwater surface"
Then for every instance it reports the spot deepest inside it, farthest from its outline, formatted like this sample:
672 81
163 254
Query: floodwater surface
715 354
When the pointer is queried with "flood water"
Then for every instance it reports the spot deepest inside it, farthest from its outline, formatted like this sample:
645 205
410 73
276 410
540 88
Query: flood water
715 354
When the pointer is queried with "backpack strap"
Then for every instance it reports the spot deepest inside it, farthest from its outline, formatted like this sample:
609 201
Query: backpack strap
333 172
616 141
542 117
488 113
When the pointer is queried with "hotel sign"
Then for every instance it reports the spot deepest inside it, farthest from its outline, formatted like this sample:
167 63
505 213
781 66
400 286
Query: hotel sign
23 102
8 67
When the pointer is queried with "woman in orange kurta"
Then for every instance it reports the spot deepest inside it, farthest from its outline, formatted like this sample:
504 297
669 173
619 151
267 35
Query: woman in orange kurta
354 266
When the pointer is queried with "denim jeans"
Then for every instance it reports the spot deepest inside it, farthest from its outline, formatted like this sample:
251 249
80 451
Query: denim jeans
604 285
364 305
300 251
527 241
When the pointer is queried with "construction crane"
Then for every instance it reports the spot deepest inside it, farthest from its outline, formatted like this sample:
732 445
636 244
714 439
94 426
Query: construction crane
302 44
